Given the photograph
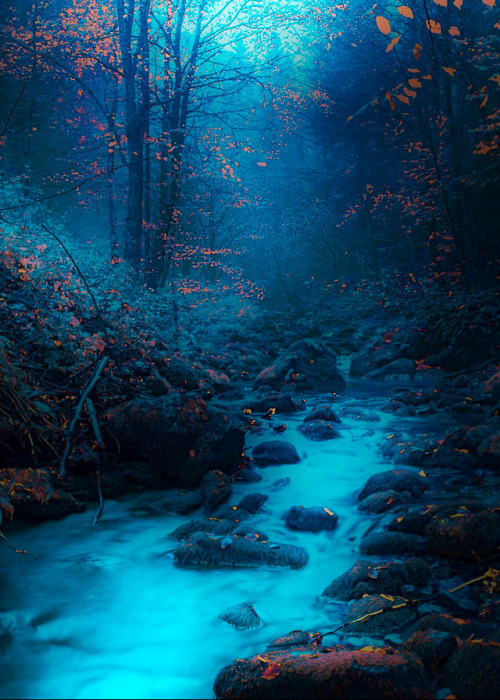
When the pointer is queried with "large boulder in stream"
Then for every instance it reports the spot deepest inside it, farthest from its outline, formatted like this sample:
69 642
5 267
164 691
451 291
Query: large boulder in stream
310 519
35 494
317 673
273 452
204 549
309 365
177 438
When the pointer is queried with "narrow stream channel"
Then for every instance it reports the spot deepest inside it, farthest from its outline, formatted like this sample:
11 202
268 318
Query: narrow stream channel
102 611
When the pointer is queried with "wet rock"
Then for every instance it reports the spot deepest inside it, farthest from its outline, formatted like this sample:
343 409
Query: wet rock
359 414
215 489
234 513
36 494
395 480
309 365
473 671
274 452
181 502
448 458
466 536
318 674
253 502
319 430
234 551
325 413
377 624
383 501
397 368
433 647
393 543
281 403
243 617
178 372
247 475
310 519
178 438
488 451
366 578
444 622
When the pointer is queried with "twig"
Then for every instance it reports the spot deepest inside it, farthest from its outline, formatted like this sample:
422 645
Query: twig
93 381
82 277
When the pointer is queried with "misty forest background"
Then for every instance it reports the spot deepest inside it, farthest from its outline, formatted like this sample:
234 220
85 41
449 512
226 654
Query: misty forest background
175 176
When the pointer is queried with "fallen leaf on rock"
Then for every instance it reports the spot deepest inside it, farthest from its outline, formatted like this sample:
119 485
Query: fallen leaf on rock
271 671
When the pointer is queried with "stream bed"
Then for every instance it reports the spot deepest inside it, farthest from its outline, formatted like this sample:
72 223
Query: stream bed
103 612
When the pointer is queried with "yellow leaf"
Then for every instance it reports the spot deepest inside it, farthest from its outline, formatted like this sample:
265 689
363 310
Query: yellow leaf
422 473
248 411
387 597
433 26
405 11
383 24
264 659
327 511
459 515
400 519
393 43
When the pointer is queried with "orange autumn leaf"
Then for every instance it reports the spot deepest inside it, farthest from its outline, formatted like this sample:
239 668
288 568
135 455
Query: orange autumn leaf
433 26
271 671
264 659
454 31
417 52
403 98
393 43
383 24
490 3
415 83
388 97
450 71
405 11
328 511
483 103
443 3
410 93
262 165
458 3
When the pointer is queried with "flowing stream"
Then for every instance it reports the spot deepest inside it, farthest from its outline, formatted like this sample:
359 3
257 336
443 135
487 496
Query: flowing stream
102 612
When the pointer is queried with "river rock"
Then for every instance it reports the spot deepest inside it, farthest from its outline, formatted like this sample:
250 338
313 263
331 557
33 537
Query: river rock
488 451
215 489
379 624
397 368
319 674
243 617
366 578
395 480
37 494
433 647
181 502
179 438
274 452
466 536
383 501
253 502
233 551
281 403
319 430
393 543
310 519
308 364
180 373
473 671
325 413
